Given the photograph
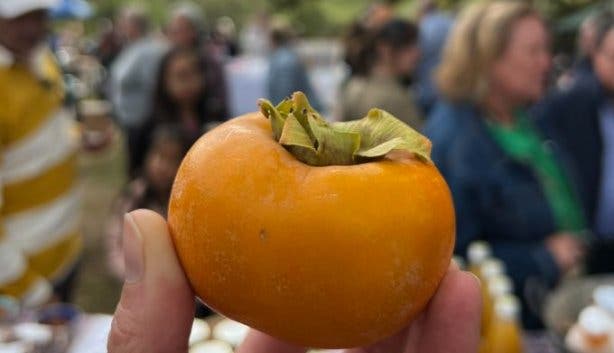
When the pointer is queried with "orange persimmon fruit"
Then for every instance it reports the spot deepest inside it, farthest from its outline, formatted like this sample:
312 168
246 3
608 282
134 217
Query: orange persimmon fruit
325 235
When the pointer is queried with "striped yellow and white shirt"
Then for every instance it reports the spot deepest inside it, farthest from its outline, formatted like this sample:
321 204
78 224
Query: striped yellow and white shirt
39 201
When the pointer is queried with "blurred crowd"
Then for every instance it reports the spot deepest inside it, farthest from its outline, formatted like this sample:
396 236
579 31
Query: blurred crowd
528 155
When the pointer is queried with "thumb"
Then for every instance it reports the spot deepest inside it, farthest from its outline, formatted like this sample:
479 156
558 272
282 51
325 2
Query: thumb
156 307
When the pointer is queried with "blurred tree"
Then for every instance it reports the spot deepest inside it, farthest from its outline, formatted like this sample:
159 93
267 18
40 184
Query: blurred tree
318 17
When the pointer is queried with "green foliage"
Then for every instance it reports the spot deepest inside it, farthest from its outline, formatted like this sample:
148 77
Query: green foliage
319 17
313 17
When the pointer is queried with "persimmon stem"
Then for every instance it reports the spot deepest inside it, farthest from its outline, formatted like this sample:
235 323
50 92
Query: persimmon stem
313 140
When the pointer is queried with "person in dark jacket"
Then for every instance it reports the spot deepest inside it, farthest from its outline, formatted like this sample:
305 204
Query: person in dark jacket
587 44
434 24
511 186
287 73
581 120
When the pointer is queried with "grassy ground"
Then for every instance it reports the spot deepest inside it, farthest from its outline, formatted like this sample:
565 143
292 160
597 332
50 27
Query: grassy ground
102 176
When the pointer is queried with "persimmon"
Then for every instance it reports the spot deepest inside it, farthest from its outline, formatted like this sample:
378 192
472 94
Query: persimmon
322 234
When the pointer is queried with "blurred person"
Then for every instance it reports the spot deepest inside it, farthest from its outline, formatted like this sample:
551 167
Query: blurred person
434 26
150 189
565 76
586 44
179 98
388 57
287 73
224 38
378 14
361 31
562 75
510 184
155 311
186 30
582 121
40 241
132 78
354 42
108 46
168 143
246 73
186 27
254 37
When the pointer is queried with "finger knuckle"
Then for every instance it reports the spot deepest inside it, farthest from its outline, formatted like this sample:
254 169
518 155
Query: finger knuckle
124 331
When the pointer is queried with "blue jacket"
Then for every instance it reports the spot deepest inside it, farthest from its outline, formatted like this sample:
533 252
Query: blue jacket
287 74
572 119
497 198
433 33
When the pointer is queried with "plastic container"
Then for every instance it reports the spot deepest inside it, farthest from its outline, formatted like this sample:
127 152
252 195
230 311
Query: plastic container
604 298
500 285
490 269
212 346
477 252
592 333
200 332
230 331
504 333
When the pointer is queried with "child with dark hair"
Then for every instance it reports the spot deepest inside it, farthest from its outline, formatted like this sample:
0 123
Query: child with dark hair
151 189
382 60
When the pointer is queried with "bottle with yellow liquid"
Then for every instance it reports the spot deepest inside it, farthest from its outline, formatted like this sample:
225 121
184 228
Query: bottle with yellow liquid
477 252
504 332
490 269
500 285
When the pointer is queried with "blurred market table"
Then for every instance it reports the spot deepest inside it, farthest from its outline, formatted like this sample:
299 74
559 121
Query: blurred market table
539 342
92 331
91 334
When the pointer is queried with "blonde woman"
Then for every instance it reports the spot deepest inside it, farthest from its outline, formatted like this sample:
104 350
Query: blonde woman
510 187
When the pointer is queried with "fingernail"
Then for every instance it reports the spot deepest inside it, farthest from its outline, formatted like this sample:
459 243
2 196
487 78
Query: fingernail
134 261
476 278
454 265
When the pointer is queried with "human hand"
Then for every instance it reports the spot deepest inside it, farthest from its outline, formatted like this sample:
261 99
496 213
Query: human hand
567 250
450 323
156 308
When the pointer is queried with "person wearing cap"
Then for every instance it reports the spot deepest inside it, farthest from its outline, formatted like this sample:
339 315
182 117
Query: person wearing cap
40 242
